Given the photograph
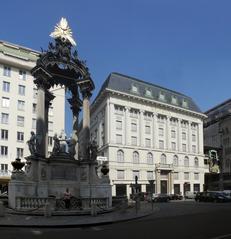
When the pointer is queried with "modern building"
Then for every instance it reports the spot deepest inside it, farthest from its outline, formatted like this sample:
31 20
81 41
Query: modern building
151 132
18 106
217 135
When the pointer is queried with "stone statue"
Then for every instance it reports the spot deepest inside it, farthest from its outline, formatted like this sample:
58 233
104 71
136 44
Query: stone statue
71 146
93 150
56 148
32 143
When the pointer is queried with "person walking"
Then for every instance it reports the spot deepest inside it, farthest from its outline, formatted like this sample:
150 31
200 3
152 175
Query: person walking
67 198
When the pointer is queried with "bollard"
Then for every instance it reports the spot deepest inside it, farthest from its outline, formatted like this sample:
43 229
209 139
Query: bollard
2 209
47 210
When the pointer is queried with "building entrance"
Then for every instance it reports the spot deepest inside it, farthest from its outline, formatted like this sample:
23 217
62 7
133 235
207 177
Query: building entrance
163 186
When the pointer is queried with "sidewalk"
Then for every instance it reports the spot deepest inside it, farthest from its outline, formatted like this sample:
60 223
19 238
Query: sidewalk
15 220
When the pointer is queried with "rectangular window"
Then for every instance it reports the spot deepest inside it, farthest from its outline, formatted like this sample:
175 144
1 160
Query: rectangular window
183 135
19 152
135 173
21 90
7 71
22 75
196 176
4 118
176 175
6 86
20 136
193 138
161 144
134 127
173 134
50 140
148 143
194 148
147 129
5 102
4 167
21 105
50 126
150 175
4 151
120 174
134 140
20 120
118 124
186 175
184 147
34 108
33 123
161 132
173 146
4 134
119 139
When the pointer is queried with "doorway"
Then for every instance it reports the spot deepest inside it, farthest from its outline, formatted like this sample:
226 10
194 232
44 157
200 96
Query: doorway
163 186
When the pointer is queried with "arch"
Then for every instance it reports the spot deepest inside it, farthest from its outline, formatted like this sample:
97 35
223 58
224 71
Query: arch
120 155
196 162
149 158
135 157
186 161
175 160
163 159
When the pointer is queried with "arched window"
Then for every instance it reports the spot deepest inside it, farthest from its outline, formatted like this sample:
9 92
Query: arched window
135 157
186 161
120 156
163 159
196 162
175 160
149 158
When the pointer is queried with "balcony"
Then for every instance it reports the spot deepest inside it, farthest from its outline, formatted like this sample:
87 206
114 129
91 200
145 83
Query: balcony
164 166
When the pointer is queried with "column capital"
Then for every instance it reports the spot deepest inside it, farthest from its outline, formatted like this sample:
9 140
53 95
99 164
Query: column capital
86 93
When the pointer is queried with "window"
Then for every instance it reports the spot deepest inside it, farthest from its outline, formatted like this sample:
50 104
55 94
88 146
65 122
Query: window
148 92
134 113
176 175
19 152
174 100
196 176
22 75
33 123
4 134
4 150
135 173
186 175
194 149
135 89
161 118
173 121
34 108
50 125
161 132
193 138
150 175
184 147
135 157
186 161
185 103
4 118
6 86
163 159
134 127
161 96
120 174
50 140
5 102
175 160
4 168
35 93
20 136
7 71
161 144
118 124
148 143
20 120
196 162
149 158
134 140
173 144
173 134
21 105
147 129
184 135
119 139
120 156
21 90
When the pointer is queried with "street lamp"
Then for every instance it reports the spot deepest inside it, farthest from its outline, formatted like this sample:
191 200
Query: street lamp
151 182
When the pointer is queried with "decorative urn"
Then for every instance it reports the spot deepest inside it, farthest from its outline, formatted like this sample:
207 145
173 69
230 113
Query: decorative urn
17 165
104 169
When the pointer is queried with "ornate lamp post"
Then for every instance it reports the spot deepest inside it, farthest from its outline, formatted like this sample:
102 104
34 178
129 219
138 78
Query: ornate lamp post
151 182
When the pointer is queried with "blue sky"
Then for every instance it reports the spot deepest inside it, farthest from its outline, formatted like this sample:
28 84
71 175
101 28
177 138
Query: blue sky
182 45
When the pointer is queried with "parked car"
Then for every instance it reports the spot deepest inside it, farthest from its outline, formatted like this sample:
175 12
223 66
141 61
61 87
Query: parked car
160 197
212 197
190 195
175 196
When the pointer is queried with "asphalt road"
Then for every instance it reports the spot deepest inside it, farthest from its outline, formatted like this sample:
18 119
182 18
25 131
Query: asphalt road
186 220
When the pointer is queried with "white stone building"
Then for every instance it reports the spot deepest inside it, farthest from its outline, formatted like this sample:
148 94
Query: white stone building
18 106
151 132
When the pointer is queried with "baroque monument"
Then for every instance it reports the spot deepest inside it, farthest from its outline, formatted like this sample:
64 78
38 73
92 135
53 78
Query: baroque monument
46 178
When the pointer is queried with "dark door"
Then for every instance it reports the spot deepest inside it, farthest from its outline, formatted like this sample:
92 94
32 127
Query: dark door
121 190
177 188
163 186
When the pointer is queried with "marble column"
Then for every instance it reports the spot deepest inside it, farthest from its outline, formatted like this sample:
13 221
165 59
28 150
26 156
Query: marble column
168 146
127 129
189 137
141 130
157 181
155 131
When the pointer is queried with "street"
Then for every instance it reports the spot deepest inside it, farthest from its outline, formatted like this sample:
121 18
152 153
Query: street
179 219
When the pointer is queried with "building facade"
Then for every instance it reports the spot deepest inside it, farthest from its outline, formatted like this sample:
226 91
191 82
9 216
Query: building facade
18 106
150 132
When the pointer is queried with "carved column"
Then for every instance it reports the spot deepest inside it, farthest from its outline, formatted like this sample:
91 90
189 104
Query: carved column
127 128
189 136
141 128
168 143
155 131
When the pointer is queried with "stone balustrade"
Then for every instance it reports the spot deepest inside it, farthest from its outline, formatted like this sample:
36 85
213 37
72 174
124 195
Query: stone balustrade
28 203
